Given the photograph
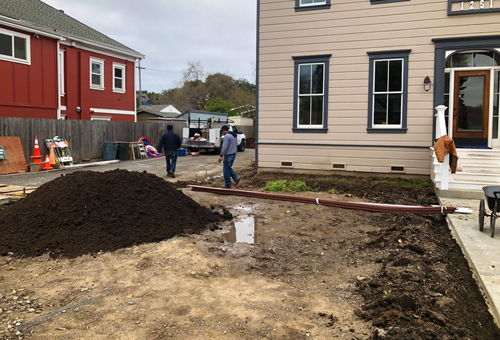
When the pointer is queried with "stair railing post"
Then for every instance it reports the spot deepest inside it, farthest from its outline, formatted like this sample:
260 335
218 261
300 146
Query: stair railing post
441 131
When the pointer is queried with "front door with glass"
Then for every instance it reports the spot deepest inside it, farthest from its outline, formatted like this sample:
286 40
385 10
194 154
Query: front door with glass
471 107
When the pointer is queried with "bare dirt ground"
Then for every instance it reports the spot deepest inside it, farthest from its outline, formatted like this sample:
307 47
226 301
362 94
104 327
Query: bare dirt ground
313 273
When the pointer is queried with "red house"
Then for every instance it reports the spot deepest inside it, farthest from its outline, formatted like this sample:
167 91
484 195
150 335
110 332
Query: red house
53 66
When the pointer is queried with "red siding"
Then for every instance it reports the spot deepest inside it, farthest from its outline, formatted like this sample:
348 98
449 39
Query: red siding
31 90
79 93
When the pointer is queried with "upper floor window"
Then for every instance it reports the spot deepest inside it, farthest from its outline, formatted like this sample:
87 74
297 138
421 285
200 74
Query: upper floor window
96 74
15 47
118 77
388 88
305 5
311 94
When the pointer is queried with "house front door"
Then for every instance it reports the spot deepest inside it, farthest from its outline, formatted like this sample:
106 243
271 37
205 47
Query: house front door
471 107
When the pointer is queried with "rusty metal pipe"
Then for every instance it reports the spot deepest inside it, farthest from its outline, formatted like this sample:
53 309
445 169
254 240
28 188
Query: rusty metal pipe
374 207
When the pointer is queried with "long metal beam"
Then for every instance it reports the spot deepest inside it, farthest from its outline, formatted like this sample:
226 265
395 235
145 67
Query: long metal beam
375 207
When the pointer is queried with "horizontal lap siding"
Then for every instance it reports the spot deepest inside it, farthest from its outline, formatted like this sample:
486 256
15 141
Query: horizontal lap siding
347 31
365 159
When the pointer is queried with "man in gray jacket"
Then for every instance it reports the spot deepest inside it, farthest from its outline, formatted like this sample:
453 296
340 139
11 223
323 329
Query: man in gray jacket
228 155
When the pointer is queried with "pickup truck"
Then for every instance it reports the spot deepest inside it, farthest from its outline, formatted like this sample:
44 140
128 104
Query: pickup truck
208 137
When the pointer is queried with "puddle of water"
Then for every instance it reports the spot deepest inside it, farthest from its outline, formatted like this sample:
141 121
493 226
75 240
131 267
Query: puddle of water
248 229
243 208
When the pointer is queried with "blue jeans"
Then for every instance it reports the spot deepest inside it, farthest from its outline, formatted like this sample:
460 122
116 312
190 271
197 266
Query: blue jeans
228 170
171 158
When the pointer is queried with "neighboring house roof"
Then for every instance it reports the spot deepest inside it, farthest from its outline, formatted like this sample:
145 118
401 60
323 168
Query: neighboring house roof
36 14
165 111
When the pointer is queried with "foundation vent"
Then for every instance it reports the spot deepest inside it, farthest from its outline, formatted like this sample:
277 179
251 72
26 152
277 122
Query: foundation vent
338 166
398 168
287 164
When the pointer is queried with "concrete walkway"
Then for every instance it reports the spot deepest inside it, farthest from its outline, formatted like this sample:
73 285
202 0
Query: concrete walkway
482 251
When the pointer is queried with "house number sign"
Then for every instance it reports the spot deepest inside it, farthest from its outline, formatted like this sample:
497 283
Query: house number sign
472 7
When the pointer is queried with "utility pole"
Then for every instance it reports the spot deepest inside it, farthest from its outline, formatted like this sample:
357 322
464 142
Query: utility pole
140 83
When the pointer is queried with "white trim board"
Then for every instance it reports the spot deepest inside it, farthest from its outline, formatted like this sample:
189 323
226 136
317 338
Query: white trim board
111 111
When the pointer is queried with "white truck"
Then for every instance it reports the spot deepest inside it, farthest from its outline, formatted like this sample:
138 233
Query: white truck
208 136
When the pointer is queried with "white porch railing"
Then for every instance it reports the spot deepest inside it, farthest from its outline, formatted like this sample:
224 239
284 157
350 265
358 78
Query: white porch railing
441 171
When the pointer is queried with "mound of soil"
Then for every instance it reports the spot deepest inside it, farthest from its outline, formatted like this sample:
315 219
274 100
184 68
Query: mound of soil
87 212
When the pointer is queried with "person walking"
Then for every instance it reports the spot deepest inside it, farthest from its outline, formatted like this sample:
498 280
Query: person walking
228 155
170 141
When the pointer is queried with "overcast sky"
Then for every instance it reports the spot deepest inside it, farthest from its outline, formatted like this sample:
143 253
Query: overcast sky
219 33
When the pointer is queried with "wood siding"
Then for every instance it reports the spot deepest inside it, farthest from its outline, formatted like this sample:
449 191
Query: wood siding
348 30
78 91
30 90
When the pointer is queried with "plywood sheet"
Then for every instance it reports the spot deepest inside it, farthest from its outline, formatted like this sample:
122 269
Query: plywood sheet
15 161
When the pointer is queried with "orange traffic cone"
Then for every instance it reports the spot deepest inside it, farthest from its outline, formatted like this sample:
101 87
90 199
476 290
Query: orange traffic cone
52 155
47 166
37 158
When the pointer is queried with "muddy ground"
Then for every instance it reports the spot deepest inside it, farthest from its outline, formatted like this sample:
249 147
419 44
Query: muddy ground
313 273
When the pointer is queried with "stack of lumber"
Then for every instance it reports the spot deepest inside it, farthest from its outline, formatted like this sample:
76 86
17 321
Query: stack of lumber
9 193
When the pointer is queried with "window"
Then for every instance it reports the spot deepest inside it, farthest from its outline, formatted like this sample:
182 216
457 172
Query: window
306 5
311 94
118 78
388 91
15 47
96 74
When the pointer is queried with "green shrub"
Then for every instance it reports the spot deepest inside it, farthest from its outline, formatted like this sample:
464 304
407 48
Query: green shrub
287 186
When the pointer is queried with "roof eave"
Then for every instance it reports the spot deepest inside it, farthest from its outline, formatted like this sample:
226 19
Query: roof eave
33 28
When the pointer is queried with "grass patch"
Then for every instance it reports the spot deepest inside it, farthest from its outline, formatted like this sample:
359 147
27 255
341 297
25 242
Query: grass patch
287 186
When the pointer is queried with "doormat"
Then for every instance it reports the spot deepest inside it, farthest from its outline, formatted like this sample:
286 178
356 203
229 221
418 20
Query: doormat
472 147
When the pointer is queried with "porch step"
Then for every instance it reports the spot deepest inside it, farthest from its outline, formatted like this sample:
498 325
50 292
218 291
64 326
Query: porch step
480 169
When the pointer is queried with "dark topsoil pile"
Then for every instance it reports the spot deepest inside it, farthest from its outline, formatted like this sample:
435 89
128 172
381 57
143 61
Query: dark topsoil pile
87 212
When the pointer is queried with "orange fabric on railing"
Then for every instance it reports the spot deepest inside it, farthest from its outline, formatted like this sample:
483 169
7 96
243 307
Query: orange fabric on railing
445 145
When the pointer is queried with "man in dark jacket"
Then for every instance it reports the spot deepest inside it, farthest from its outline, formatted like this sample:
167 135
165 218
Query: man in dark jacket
228 155
171 142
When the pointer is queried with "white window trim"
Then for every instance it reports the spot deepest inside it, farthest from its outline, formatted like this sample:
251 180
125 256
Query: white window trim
61 73
100 118
28 47
313 4
97 61
310 126
123 68
388 126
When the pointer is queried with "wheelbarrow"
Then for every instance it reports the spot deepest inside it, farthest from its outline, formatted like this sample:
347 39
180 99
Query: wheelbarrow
492 194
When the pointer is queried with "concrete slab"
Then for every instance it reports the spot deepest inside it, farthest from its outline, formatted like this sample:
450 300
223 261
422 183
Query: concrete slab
482 251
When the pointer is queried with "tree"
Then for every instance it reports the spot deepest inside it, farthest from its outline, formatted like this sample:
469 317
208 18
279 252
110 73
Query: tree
244 84
194 72
218 104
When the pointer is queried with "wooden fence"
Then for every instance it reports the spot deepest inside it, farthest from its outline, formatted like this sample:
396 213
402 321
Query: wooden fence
86 138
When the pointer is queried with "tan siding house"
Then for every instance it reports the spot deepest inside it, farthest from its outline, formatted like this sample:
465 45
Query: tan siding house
341 82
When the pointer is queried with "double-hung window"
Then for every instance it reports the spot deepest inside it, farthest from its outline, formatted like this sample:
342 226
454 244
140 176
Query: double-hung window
388 91
306 5
311 93
96 74
15 47
118 78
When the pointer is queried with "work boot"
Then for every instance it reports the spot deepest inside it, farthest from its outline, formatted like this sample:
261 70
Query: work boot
237 181
172 174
